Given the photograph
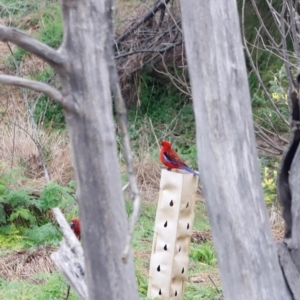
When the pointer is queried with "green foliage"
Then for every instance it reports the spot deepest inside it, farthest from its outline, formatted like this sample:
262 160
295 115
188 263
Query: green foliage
204 253
51 27
142 283
199 292
269 185
158 102
53 286
19 9
15 204
48 112
264 112
162 113
46 234
48 16
10 237
23 214
26 218
54 195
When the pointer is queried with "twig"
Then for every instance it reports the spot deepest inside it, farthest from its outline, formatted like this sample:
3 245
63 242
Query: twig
152 128
157 6
217 289
268 150
158 50
295 38
68 292
284 46
261 82
32 122
122 120
13 150
263 24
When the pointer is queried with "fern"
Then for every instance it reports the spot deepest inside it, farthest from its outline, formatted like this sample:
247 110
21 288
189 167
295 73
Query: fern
2 215
10 237
54 195
12 176
16 198
46 234
23 214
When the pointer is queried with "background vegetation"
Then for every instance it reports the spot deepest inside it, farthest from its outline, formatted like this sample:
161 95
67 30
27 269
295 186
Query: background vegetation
162 111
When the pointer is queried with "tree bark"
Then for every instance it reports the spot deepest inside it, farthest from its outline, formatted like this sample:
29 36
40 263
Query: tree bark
87 51
84 62
227 155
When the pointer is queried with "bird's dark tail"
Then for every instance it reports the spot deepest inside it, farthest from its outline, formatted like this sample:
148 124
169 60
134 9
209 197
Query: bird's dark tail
191 171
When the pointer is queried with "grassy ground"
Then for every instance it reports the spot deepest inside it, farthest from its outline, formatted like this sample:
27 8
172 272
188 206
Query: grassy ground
28 270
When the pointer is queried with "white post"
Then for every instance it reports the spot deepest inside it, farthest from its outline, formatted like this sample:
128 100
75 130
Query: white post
172 235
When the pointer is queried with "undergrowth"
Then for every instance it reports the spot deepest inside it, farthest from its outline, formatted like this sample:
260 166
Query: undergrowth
48 286
25 217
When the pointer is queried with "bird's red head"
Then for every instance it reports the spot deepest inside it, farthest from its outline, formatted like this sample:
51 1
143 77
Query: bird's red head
75 226
166 145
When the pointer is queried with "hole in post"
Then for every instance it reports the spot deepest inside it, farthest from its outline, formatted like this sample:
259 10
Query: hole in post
182 271
166 224
171 203
188 226
175 293
158 268
179 248
159 293
165 247
187 205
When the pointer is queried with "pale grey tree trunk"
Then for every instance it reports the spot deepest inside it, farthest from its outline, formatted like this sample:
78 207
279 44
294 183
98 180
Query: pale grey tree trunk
87 48
227 154
84 63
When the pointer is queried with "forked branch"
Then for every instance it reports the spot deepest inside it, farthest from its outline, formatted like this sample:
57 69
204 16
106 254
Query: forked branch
30 44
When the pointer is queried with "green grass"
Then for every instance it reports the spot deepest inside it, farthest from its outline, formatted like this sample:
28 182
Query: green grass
49 286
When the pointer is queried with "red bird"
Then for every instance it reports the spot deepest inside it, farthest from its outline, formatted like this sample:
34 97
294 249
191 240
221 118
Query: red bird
75 226
171 159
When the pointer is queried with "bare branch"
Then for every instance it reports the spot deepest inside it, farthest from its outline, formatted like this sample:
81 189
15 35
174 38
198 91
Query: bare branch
158 50
262 84
255 69
122 120
268 150
263 24
267 139
30 44
36 86
295 38
284 46
160 4
35 136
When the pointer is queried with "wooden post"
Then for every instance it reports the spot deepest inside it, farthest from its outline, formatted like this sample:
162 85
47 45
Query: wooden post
172 235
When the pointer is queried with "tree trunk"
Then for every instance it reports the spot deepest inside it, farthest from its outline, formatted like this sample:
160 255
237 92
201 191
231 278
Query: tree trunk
88 52
86 68
227 154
